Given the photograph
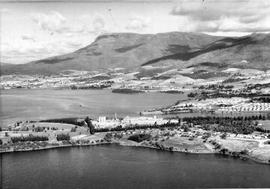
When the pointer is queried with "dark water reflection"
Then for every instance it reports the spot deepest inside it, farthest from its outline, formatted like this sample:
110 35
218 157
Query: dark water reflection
128 167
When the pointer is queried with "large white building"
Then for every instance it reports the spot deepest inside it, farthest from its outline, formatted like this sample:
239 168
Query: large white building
103 122
129 121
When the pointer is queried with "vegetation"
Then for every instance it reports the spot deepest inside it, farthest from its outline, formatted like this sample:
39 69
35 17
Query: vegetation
73 129
226 92
260 129
108 137
92 86
62 137
216 86
203 74
126 91
90 125
37 129
223 136
262 99
31 138
232 80
73 121
138 127
139 137
258 86
192 95
238 125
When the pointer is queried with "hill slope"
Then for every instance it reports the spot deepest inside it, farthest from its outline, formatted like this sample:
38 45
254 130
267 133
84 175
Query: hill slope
176 49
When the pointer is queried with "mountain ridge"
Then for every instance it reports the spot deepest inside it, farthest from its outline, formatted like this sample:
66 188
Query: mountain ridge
175 49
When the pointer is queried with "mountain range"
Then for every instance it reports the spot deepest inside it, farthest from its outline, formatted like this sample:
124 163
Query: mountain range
174 49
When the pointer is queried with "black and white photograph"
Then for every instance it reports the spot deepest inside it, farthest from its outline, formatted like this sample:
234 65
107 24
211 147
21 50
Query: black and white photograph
134 94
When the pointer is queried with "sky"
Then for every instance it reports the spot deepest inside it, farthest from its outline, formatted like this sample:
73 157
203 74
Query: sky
32 30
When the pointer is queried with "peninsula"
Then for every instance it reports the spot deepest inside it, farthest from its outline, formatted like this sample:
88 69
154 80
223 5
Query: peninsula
239 137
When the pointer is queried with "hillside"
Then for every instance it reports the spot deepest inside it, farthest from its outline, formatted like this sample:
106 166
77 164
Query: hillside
174 49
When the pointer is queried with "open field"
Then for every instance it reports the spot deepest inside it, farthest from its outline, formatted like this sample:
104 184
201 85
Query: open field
183 144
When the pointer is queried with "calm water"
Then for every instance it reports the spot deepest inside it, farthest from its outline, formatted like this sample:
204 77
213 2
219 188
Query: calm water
127 167
42 104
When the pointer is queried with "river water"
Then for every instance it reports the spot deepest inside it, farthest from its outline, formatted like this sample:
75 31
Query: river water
115 166
23 104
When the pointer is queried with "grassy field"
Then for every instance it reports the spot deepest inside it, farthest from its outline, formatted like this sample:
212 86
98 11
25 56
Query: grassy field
183 144
265 124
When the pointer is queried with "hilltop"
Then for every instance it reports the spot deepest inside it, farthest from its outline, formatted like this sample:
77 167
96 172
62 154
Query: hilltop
175 50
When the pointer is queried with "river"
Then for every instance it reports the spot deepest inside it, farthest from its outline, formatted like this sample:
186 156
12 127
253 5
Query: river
23 104
115 166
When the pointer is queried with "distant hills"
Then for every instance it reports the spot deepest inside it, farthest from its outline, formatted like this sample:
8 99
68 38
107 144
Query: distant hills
174 49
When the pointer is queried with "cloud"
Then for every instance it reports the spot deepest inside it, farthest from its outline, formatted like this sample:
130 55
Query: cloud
52 22
28 38
138 23
25 51
65 36
98 24
225 16
56 23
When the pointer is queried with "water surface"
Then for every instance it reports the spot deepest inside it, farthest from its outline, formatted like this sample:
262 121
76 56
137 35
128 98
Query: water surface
23 104
127 167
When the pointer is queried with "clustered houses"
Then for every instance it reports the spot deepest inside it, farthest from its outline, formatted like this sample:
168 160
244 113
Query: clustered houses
56 81
103 122
247 107
205 105
218 105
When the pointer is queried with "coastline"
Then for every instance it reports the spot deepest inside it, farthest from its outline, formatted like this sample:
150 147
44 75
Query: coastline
137 145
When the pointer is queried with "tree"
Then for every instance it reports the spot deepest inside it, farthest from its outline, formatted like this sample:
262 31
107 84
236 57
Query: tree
108 137
90 125
61 137
223 136
73 129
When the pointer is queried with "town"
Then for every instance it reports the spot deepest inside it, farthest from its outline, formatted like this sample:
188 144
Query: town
226 115
236 82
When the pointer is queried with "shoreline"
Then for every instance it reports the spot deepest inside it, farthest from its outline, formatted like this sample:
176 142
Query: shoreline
136 145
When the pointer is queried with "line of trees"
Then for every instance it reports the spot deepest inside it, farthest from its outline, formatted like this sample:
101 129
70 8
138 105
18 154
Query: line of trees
222 94
262 99
238 125
216 120
61 137
31 138
120 128
73 121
